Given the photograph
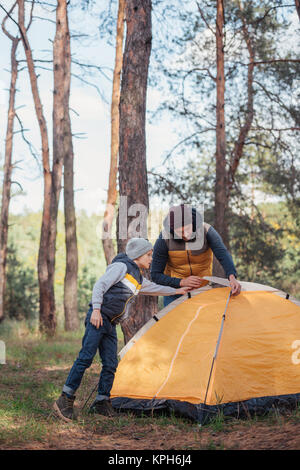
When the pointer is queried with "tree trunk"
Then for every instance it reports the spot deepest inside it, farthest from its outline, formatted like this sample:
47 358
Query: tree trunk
297 3
221 180
220 223
47 304
112 193
7 168
132 152
70 284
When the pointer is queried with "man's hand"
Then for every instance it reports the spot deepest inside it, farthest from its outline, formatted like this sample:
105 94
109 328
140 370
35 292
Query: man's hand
235 285
96 318
193 282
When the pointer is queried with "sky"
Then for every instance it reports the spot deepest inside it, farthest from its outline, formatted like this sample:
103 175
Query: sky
90 115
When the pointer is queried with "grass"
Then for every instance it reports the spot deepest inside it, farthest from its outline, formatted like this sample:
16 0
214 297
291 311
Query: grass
33 376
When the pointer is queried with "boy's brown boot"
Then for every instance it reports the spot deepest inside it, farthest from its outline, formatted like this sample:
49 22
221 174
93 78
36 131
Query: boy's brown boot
64 407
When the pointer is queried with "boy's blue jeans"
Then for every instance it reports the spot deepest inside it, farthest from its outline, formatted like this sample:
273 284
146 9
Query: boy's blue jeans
105 340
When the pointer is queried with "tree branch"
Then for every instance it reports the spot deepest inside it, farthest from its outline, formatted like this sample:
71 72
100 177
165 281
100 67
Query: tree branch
12 19
169 183
204 19
29 144
185 140
5 19
274 61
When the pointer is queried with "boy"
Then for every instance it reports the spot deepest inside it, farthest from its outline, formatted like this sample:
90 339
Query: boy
111 296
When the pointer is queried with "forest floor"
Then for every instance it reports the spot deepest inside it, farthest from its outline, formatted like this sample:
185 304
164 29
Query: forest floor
32 379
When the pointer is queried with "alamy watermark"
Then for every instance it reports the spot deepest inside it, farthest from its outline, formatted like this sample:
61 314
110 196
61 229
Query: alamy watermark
296 354
136 220
2 352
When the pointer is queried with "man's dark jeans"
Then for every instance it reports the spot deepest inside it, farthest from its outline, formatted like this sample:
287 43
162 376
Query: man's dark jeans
170 298
105 340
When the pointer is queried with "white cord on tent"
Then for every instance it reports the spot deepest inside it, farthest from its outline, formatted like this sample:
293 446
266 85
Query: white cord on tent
177 350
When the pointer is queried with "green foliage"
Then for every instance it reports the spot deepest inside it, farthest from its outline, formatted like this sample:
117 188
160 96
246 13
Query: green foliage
257 249
24 235
86 281
21 293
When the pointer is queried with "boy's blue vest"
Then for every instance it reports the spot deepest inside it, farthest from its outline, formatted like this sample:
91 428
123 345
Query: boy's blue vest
119 296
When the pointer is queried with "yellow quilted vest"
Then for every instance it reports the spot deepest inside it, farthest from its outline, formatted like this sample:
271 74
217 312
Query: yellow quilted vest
183 262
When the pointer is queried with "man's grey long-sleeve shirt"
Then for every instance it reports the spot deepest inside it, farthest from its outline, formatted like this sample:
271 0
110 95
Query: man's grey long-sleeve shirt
114 273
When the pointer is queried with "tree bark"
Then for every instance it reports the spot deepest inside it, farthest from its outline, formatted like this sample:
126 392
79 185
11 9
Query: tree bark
221 176
220 190
132 152
112 193
70 283
297 3
46 287
6 188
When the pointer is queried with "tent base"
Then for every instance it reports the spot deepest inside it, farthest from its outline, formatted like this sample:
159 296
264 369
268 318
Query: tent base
204 413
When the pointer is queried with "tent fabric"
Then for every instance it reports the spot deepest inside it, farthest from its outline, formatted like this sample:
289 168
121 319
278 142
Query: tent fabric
168 363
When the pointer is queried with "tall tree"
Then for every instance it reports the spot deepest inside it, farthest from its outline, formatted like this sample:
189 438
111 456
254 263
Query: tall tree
8 166
63 151
253 113
132 151
45 263
112 193
220 186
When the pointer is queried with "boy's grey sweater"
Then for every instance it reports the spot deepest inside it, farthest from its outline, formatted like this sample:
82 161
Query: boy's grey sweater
114 273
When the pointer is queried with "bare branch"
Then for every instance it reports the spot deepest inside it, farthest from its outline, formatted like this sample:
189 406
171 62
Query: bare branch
274 61
273 96
91 84
92 66
204 19
169 183
261 128
18 184
269 10
31 16
44 19
79 135
185 140
9 15
5 19
29 144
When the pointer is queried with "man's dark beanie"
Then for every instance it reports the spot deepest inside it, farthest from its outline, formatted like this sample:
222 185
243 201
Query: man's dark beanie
182 215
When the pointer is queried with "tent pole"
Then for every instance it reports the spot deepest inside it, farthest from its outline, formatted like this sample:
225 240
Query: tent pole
202 407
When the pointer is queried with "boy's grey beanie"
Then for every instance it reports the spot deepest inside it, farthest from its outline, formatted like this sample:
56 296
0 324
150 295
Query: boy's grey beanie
137 247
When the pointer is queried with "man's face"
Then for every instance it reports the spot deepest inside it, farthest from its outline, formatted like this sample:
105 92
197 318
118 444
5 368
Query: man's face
184 232
145 260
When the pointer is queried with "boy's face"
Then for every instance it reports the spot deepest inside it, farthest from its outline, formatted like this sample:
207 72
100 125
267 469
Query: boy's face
145 260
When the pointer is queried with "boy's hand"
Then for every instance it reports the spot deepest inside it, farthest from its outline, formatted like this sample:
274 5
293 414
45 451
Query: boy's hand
182 290
96 318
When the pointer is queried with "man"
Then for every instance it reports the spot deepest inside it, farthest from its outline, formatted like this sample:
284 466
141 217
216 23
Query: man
184 251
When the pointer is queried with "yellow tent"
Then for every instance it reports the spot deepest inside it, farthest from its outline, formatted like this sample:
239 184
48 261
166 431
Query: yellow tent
213 350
